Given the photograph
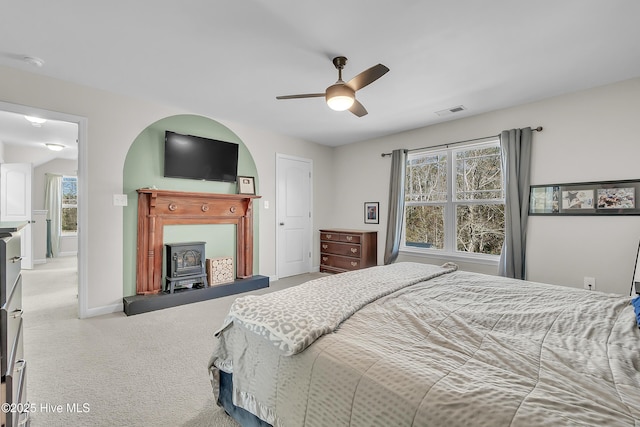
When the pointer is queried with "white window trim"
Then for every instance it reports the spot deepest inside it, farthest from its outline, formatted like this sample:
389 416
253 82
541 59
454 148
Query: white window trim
63 205
450 252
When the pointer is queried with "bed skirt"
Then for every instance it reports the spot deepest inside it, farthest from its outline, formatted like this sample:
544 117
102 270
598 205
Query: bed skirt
225 399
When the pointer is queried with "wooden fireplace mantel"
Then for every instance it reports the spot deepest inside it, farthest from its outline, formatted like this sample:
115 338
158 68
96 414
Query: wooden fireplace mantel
157 208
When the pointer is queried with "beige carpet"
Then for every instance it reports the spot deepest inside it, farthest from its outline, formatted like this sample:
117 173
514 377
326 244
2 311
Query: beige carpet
144 370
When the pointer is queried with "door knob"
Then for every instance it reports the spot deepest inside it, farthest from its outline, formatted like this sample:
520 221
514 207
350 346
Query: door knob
282 223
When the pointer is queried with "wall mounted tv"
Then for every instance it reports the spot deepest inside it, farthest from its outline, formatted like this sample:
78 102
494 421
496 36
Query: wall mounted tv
195 157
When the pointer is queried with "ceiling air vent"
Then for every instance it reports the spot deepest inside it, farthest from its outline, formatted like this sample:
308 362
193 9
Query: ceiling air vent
452 110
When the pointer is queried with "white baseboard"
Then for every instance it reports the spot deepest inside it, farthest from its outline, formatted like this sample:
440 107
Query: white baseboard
107 309
314 269
40 261
60 254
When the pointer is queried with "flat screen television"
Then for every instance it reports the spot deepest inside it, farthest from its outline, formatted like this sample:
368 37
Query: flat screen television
195 157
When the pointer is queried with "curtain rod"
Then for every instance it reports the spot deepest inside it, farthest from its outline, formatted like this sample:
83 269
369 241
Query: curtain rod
537 129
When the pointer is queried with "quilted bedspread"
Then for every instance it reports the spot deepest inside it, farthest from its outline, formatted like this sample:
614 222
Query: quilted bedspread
294 318
457 349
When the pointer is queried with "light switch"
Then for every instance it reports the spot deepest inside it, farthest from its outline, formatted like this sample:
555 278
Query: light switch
266 204
119 200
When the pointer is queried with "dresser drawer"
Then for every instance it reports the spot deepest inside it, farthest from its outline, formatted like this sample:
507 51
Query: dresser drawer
340 262
350 238
11 269
340 237
16 395
329 235
340 248
10 333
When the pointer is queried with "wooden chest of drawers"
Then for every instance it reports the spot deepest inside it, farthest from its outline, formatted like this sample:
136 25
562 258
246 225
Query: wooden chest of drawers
345 250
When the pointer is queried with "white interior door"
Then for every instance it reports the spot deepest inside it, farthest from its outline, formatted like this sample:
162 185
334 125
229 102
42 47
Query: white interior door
293 197
15 203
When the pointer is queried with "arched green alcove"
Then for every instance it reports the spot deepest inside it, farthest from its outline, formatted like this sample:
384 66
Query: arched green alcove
143 167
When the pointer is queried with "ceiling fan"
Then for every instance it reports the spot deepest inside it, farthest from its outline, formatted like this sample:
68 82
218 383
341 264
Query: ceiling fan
342 96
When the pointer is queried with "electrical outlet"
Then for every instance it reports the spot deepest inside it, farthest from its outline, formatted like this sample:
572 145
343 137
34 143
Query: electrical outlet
590 283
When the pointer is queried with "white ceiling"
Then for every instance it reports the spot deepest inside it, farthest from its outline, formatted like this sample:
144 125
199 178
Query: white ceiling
229 59
24 142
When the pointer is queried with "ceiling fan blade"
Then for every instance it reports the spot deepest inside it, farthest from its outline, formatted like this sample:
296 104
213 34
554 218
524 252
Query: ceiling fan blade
367 77
358 109
304 95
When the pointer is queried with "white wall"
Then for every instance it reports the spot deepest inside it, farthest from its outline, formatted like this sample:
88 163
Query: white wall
588 136
264 146
114 121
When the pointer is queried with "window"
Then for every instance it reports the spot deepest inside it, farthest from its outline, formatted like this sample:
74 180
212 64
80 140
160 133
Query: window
69 210
454 200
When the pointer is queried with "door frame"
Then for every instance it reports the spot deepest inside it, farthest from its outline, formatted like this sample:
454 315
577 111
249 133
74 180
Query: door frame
83 193
280 157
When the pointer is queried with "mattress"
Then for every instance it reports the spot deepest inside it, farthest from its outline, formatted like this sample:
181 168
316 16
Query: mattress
439 348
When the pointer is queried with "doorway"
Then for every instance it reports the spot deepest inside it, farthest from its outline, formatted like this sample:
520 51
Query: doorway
32 151
294 219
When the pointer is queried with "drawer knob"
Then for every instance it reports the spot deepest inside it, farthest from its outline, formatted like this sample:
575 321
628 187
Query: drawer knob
325 259
349 238
354 250
328 236
173 207
204 207
24 418
354 264
325 246
232 209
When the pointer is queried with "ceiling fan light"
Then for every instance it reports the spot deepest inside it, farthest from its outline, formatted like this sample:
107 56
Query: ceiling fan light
340 97
340 103
35 121
55 147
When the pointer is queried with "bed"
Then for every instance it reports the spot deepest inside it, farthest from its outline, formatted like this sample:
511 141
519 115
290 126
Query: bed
414 344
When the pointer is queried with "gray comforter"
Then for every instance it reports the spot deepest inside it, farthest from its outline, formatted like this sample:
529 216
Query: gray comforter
458 349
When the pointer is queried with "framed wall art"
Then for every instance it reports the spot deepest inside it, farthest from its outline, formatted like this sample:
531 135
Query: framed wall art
586 198
371 211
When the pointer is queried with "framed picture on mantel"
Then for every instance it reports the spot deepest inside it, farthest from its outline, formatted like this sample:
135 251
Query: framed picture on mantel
246 185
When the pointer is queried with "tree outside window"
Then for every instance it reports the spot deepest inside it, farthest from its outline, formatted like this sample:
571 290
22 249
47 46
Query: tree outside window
69 211
454 200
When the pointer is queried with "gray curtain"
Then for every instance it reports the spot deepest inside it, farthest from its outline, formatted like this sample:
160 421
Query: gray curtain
53 204
396 205
516 164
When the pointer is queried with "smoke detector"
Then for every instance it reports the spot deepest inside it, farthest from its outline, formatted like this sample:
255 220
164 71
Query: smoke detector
32 60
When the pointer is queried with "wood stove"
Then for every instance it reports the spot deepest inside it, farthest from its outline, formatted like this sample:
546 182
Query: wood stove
185 265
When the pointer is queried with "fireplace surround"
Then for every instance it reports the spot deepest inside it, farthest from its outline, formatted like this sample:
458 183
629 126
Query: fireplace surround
157 208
